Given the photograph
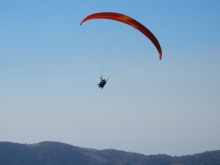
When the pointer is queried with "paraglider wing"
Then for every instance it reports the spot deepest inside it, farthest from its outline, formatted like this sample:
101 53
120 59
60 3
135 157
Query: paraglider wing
127 20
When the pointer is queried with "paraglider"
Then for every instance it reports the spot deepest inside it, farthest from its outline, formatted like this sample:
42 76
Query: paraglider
129 21
102 83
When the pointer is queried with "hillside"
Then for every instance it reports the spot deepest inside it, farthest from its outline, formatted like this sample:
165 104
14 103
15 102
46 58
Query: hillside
55 153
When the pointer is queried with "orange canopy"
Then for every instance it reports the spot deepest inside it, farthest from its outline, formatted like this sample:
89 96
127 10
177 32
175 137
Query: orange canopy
127 20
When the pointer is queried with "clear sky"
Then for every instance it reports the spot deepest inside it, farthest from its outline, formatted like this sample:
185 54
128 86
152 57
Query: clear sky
49 73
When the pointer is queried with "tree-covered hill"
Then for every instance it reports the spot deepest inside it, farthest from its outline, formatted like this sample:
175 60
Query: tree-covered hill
55 153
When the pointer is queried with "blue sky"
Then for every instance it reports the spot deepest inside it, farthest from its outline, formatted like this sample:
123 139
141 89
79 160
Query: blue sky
49 69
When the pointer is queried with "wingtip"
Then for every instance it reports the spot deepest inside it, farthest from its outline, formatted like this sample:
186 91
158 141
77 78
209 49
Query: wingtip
82 21
160 56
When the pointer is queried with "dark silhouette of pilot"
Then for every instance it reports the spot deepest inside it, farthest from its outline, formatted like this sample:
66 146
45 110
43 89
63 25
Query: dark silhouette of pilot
102 83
